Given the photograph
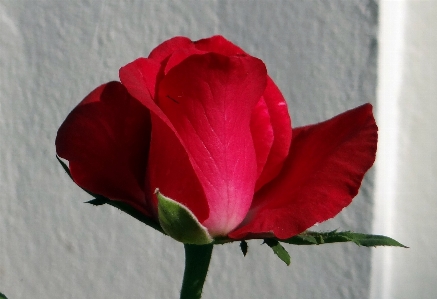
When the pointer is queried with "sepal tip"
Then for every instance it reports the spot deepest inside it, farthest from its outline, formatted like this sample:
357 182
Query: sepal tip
180 223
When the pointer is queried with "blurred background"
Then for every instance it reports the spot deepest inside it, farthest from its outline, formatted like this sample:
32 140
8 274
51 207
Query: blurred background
325 56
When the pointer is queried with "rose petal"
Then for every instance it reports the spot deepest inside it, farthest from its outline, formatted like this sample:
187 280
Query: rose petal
178 56
209 99
270 155
277 110
262 133
106 140
169 168
322 174
165 49
281 125
218 44
140 77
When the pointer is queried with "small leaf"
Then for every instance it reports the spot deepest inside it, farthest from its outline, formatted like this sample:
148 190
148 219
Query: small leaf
278 250
317 238
3 296
98 201
308 238
180 223
302 240
371 240
244 247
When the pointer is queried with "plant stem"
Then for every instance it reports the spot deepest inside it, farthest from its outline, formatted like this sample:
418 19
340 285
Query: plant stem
197 258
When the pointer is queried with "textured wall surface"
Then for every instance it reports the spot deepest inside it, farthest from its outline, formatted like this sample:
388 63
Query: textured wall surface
322 54
406 201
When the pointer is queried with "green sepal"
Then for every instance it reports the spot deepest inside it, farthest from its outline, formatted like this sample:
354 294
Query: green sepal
67 170
180 223
131 211
3 296
244 247
318 238
98 201
124 207
279 250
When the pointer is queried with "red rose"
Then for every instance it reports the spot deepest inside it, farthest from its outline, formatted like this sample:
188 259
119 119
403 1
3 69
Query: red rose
203 122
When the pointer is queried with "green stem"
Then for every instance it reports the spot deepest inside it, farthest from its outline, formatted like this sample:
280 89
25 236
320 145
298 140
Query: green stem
197 258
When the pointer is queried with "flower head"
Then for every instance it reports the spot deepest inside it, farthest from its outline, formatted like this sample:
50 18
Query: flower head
204 123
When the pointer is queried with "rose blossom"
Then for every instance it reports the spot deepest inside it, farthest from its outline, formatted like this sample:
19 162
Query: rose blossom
204 123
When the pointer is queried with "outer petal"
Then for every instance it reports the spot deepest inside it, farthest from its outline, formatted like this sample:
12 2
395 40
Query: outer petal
167 48
218 44
169 168
106 140
262 133
281 126
322 174
178 56
140 78
209 99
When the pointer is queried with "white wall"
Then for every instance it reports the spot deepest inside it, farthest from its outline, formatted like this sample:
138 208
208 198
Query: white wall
406 189
322 54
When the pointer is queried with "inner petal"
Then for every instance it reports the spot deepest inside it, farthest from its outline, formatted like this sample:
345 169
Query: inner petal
209 99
